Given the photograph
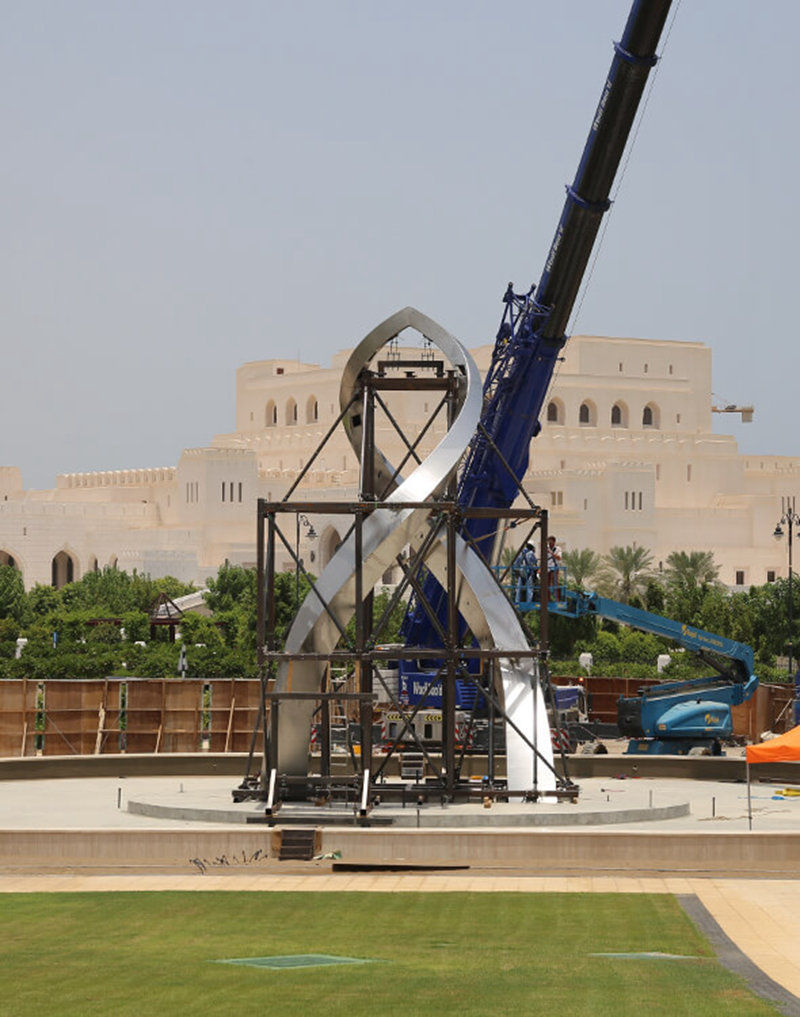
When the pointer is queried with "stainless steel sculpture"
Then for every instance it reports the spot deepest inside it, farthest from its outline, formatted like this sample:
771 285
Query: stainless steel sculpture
386 532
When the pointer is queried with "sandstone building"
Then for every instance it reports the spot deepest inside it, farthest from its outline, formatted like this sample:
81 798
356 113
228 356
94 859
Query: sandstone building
627 455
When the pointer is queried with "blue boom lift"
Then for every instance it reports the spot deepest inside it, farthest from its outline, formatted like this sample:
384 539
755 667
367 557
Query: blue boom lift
672 717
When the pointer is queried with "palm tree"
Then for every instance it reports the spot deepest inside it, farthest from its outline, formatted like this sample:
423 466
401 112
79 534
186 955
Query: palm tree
688 569
583 565
508 556
626 572
689 576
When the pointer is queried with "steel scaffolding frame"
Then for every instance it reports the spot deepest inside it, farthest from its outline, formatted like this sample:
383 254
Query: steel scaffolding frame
360 650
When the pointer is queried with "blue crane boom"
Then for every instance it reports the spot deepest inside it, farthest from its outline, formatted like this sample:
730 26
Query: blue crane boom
532 331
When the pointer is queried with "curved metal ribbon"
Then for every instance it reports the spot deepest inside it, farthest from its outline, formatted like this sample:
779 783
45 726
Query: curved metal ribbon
385 533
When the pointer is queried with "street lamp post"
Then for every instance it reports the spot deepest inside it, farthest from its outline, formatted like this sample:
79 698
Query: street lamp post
790 519
312 535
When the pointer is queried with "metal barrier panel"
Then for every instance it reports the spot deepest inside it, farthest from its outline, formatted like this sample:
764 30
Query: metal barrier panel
770 709
105 717
167 715
181 721
109 741
234 710
18 709
72 711
144 710
602 695
163 715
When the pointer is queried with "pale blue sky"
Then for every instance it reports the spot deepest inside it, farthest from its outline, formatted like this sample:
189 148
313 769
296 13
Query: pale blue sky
190 185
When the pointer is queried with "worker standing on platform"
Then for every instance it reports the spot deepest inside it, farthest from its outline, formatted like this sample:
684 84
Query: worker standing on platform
527 574
553 563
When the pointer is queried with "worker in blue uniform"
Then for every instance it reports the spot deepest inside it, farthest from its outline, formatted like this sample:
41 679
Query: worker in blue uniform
527 575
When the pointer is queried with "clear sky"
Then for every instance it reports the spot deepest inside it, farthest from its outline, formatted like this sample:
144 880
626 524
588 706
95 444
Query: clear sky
189 185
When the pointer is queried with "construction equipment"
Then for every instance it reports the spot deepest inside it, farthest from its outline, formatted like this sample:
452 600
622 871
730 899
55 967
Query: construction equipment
495 427
673 717
532 331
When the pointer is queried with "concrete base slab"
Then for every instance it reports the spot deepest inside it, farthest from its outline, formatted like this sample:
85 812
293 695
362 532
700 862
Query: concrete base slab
595 808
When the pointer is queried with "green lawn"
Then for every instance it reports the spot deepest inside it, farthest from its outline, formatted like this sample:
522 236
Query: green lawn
154 954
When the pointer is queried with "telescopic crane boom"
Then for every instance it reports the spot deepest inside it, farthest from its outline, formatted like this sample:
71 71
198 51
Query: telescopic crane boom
532 332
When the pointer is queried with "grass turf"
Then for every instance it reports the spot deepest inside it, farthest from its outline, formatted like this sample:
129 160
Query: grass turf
119 954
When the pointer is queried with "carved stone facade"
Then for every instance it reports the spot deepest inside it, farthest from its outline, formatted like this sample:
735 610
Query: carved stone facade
626 456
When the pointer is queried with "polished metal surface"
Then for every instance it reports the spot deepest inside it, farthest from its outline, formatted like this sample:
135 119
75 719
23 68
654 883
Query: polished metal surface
386 532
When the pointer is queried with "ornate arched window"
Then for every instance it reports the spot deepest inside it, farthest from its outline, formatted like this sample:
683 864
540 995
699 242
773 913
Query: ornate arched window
63 569
587 414
619 415
328 545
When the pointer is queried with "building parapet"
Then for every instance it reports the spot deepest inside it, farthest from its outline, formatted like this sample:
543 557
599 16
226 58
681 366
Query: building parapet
777 464
282 435
10 479
216 451
270 370
591 433
589 469
314 478
116 478
80 509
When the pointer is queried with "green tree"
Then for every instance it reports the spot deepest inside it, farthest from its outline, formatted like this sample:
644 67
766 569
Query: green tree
9 631
508 557
691 568
233 597
106 633
626 572
767 616
639 647
136 625
714 612
12 593
157 660
390 633
689 577
219 662
113 591
42 600
605 647
232 587
583 566
565 635
654 597
196 628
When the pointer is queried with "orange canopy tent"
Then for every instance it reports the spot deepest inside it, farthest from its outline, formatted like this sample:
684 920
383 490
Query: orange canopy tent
783 749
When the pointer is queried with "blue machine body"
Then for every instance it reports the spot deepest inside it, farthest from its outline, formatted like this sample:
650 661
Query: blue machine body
532 332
